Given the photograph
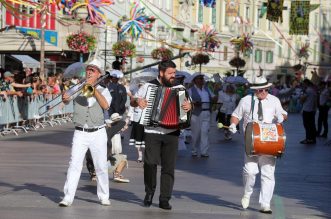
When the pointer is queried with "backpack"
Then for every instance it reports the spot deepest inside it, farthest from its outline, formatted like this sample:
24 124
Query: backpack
119 97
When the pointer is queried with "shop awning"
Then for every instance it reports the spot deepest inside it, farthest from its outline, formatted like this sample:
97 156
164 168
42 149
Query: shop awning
14 41
27 61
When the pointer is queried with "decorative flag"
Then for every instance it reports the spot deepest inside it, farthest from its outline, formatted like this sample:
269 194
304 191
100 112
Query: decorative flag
299 19
275 10
232 8
263 11
313 7
208 3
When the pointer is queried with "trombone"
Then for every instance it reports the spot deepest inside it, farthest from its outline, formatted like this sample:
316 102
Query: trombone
87 89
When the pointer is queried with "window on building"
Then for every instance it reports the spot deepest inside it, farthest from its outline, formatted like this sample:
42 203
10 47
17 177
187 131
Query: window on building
269 57
324 21
200 14
269 25
288 52
258 18
225 53
316 20
280 49
168 5
315 52
247 12
213 16
258 56
226 20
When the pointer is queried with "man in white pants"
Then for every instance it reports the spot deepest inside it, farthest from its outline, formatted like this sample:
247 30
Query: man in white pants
260 107
90 133
200 120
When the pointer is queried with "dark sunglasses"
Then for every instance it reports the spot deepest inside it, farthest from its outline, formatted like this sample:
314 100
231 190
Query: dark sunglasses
261 90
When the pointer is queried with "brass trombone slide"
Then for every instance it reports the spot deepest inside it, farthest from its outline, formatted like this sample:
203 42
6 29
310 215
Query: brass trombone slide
89 89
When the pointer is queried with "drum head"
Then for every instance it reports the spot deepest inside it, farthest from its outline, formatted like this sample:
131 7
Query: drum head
249 139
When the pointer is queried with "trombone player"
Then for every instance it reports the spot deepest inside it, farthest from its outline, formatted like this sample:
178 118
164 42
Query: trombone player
90 133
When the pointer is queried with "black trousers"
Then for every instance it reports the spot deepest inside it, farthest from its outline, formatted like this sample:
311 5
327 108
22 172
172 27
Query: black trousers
309 124
160 149
111 131
323 120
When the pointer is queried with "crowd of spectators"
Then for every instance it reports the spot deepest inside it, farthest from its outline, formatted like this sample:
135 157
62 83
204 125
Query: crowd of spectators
29 84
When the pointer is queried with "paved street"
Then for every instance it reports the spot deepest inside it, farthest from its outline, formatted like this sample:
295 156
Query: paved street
33 169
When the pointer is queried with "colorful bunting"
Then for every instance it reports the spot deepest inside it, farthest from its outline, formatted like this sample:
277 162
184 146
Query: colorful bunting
275 10
137 23
299 19
95 15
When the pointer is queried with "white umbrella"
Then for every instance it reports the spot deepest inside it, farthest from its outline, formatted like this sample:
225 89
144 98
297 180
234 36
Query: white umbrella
142 77
76 69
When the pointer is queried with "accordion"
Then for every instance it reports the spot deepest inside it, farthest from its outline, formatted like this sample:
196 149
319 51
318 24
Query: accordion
164 107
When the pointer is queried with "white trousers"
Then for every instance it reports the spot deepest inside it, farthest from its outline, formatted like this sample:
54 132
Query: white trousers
199 128
97 143
267 165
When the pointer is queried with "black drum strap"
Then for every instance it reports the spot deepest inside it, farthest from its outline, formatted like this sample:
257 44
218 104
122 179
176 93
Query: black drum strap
252 106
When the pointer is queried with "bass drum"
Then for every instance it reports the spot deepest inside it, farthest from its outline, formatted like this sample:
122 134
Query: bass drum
264 139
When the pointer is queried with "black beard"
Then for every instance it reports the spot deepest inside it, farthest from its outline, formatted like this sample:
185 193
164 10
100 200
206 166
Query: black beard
166 83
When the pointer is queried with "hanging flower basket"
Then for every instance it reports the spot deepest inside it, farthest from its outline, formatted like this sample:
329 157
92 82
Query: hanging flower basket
200 59
124 49
81 42
237 62
297 67
162 53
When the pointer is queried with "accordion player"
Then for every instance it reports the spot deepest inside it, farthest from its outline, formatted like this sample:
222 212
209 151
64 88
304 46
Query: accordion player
164 107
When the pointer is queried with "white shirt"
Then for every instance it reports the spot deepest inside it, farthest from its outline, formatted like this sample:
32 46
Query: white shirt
104 92
228 102
271 107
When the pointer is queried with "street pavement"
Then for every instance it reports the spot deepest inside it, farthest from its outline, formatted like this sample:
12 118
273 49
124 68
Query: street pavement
33 169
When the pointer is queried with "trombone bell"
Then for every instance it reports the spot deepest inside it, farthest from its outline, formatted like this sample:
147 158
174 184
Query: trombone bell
88 90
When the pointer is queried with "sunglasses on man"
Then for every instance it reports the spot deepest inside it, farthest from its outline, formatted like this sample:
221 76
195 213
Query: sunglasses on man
261 90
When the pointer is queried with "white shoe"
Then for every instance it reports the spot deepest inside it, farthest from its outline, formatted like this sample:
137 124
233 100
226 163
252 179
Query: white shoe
105 202
64 203
245 202
121 179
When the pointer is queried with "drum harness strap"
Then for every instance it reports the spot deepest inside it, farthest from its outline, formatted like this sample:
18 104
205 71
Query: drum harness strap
252 106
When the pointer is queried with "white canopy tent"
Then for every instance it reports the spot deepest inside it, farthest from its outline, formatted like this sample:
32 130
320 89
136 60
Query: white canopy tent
27 61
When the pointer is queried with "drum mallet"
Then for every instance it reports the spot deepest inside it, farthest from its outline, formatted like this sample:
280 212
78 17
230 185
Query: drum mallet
220 125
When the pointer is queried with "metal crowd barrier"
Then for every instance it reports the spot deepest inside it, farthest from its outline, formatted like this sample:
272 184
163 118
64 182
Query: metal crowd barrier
22 114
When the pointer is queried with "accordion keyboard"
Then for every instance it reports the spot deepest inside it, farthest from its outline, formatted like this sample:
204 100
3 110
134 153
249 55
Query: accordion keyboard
147 112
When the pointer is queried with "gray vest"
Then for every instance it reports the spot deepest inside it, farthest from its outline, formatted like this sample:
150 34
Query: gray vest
92 116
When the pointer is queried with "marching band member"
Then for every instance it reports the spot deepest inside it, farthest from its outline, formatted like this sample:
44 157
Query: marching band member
160 143
90 134
259 107
202 99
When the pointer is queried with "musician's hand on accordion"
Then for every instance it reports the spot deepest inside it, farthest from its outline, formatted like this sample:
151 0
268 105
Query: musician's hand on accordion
186 106
141 102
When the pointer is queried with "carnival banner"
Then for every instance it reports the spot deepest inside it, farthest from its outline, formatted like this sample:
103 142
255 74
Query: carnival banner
275 10
299 19
232 8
